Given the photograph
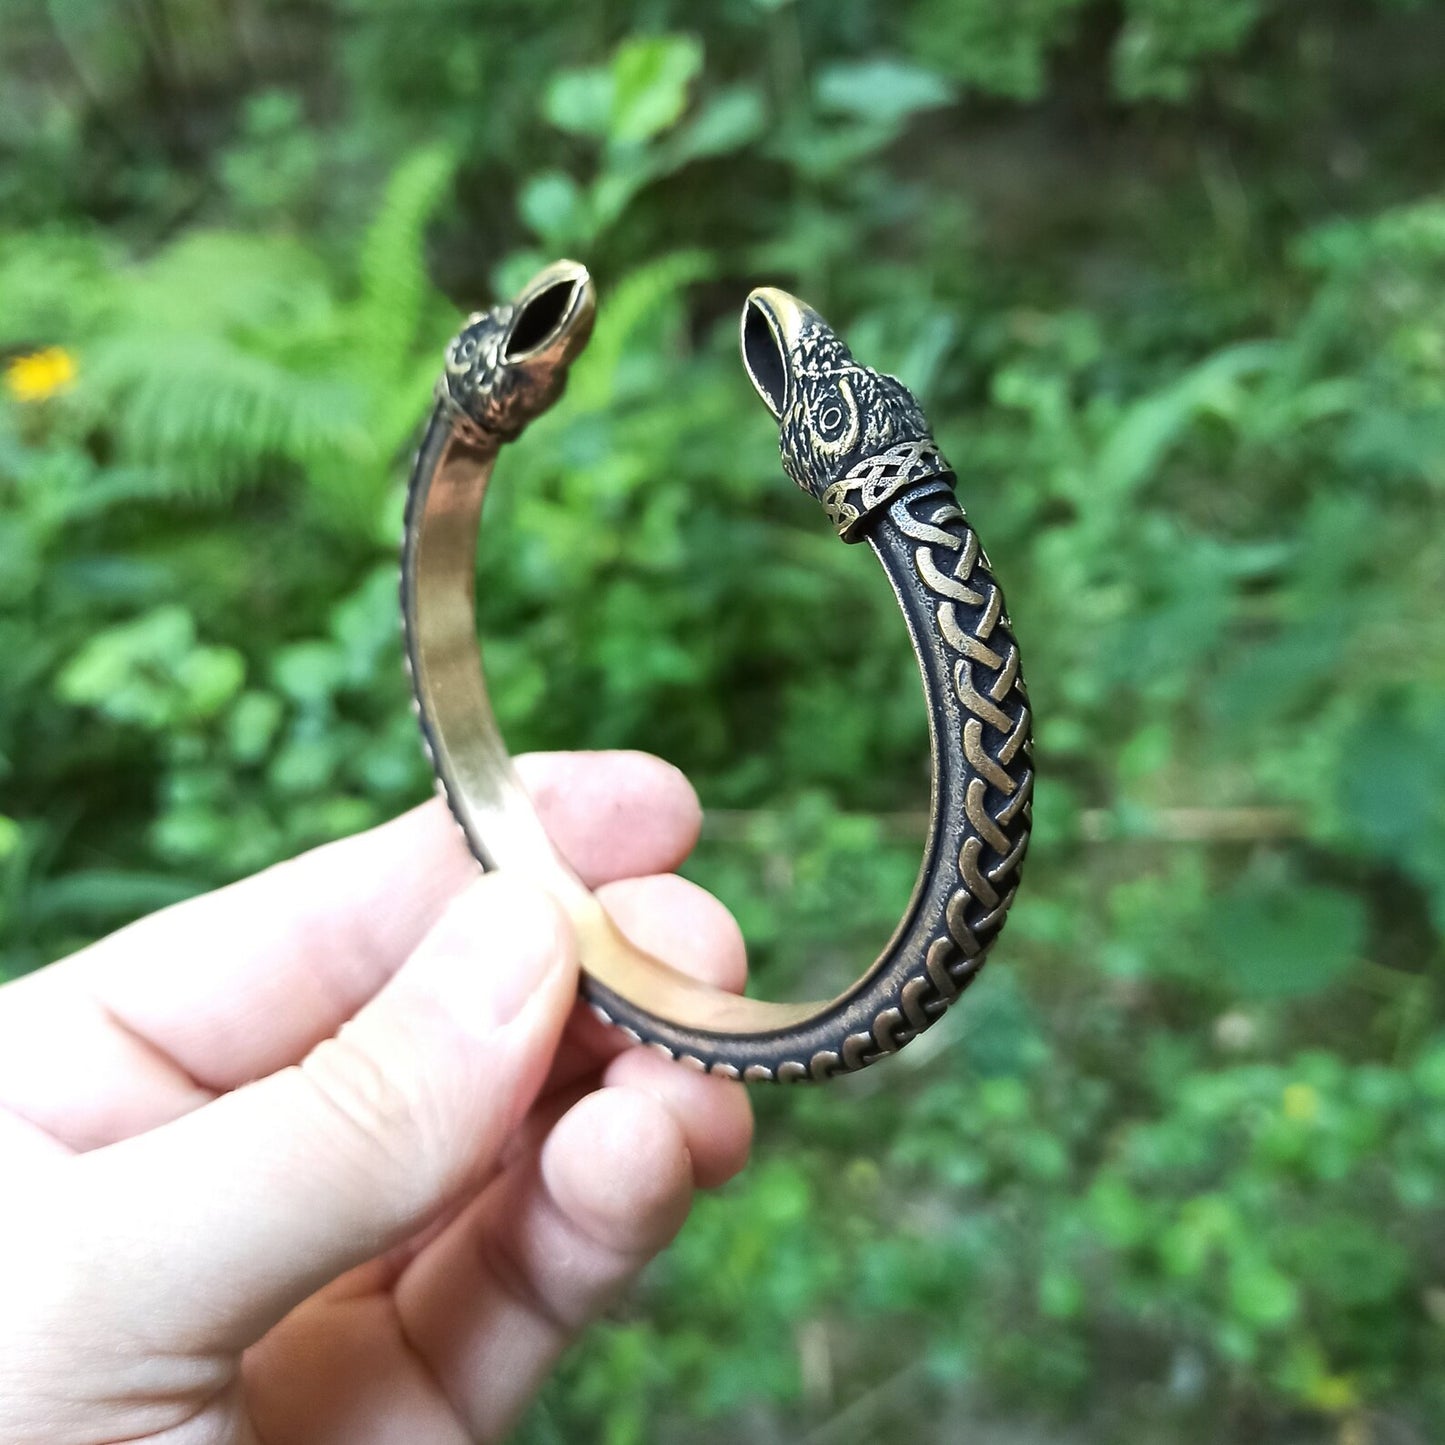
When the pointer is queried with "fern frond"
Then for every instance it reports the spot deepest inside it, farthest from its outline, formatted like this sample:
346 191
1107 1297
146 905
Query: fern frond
265 288
394 283
631 302
217 417
54 287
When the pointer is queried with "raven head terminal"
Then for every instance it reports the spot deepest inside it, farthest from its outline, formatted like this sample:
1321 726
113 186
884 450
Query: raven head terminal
509 364
850 436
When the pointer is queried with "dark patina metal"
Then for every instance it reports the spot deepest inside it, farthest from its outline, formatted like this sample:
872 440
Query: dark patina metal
857 441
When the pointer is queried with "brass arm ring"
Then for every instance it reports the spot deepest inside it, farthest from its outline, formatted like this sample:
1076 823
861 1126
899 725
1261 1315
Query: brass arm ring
857 441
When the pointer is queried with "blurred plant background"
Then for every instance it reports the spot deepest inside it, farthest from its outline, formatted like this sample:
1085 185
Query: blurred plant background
1170 276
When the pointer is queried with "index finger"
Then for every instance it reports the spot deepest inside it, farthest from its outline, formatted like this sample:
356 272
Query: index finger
224 988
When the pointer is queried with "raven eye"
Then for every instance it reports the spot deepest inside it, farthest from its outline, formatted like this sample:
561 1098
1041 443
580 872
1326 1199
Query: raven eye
835 422
463 352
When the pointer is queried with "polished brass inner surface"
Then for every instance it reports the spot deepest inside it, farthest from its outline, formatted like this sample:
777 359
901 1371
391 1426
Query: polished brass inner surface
468 751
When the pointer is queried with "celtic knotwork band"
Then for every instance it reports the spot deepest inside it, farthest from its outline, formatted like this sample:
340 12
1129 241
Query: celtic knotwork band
851 501
857 441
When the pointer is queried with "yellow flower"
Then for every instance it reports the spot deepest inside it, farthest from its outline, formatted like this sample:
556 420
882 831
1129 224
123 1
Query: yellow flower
1301 1102
40 374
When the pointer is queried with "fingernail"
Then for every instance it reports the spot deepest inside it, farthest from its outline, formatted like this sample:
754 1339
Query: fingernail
495 947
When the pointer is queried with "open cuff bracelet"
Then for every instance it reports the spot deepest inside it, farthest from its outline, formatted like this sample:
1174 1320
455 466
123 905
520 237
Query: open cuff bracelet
857 441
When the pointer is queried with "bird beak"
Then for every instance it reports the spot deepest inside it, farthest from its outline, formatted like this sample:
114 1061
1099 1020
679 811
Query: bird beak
772 323
553 316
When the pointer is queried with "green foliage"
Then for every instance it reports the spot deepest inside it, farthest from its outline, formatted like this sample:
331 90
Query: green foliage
1169 276
1001 48
1160 49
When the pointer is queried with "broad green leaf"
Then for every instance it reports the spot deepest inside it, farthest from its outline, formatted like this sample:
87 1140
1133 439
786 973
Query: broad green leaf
581 101
553 205
725 122
883 89
152 672
651 77
1288 939
309 672
1260 1295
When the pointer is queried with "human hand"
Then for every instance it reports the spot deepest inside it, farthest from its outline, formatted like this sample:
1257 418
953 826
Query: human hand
333 1155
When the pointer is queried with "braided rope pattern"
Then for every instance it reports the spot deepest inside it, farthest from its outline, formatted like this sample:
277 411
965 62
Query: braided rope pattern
996 743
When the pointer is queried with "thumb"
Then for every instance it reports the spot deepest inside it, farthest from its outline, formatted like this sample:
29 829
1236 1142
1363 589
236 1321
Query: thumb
227 1218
